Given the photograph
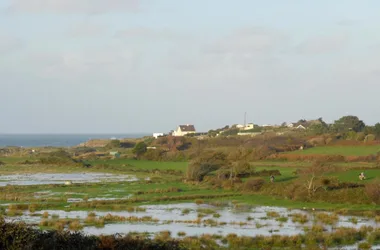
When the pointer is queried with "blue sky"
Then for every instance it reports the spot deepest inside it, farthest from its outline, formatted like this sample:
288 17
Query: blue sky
96 66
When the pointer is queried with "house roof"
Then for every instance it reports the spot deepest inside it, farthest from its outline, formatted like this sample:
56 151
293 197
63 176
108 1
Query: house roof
187 128
306 124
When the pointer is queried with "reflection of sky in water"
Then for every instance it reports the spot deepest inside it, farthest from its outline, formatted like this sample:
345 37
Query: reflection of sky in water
257 226
37 179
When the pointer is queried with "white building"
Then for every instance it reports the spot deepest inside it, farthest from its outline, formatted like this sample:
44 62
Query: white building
249 126
183 130
156 135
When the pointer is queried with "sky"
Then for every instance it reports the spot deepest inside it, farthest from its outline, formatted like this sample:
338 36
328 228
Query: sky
126 66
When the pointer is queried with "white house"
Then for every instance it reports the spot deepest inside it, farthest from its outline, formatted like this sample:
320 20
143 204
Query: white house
249 126
183 130
156 135
290 125
300 127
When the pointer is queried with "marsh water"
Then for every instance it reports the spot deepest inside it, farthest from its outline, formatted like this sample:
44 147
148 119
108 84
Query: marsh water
188 219
61 178
251 222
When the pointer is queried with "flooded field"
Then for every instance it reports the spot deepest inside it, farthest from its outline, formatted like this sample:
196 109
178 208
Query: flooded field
194 220
61 178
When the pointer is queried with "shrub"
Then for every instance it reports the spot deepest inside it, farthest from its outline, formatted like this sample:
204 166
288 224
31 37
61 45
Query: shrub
373 192
181 234
253 185
364 246
204 164
199 201
33 208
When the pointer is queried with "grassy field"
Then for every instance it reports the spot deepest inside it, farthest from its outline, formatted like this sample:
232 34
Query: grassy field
143 164
340 150
170 185
353 175
287 173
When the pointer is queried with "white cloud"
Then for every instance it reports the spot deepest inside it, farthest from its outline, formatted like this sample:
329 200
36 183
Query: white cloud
9 44
323 44
148 34
348 22
86 29
83 6
244 57
247 41
112 63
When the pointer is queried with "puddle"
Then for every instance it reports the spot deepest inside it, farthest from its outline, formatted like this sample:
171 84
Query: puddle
183 218
41 178
71 200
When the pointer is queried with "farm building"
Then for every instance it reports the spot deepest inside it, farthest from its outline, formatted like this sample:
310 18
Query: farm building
183 130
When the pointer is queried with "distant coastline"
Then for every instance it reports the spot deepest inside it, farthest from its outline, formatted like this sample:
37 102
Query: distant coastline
58 140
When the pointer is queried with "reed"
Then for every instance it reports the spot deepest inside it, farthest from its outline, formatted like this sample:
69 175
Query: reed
75 225
181 234
300 218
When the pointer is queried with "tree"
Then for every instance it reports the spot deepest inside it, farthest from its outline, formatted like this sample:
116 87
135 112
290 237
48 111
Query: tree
238 163
232 131
205 164
319 129
376 129
312 177
140 149
349 123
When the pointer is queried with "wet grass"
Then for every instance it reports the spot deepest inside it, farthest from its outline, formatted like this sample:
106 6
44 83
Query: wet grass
341 150
207 211
300 218
186 211
273 214
142 164
325 218
282 219
314 238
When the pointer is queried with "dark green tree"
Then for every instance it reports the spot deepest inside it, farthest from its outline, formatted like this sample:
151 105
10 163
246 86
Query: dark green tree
319 128
205 164
140 149
376 129
349 123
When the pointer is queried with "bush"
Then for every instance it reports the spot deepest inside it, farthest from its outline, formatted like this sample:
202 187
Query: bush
373 192
204 164
140 149
253 185
113 144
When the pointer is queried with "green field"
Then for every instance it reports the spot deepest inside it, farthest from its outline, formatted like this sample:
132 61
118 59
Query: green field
340 150
287 173
170 184
144 164
353 175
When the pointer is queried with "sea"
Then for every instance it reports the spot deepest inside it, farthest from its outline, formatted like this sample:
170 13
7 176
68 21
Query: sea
57 140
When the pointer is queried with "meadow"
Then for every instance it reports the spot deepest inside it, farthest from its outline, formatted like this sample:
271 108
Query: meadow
361 150
111 204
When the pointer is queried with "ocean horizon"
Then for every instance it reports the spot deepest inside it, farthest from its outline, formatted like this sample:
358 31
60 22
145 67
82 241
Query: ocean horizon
58 140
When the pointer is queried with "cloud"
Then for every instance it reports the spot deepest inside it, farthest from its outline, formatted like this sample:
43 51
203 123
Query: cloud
251 40
245 54
108 64
323 44
347 22
148 34
81 6
9 44
86 29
